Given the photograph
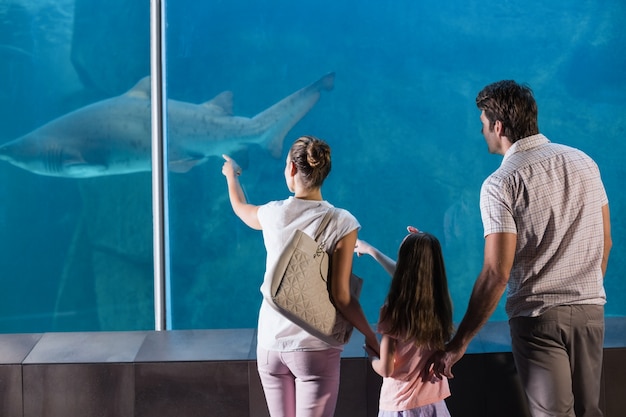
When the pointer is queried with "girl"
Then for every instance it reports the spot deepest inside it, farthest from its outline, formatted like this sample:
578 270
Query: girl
299 372
415 321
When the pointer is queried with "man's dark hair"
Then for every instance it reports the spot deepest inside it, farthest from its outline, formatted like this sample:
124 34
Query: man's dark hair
513 105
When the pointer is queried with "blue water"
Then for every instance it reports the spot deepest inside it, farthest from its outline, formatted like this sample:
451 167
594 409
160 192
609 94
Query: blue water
76 254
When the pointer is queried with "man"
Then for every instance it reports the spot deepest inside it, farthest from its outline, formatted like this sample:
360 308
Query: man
547 236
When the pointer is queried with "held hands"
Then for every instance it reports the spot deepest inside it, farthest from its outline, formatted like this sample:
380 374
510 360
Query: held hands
371 353
230 167
372 346
441 362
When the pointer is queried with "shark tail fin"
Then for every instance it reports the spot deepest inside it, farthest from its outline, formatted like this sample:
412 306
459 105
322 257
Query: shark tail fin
284 115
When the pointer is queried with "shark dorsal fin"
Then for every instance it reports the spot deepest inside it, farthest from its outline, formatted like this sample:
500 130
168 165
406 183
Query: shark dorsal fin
221 104
141 89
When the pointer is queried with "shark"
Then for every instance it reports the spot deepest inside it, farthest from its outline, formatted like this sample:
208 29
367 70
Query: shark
113 136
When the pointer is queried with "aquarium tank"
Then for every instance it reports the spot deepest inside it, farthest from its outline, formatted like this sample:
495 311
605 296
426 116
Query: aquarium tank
391 87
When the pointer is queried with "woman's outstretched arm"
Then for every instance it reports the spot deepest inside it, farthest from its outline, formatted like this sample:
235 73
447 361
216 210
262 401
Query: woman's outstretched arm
246 212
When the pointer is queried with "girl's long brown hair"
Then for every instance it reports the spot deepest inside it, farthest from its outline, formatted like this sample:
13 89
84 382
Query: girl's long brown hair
418 306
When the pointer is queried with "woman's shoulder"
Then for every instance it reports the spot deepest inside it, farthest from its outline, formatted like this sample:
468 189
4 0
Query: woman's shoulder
280 202
275 204
346 217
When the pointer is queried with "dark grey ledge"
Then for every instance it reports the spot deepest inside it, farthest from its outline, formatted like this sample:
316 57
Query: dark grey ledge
207 345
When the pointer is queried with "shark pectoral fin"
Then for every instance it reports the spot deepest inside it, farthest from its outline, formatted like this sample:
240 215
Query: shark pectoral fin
181 162
183 165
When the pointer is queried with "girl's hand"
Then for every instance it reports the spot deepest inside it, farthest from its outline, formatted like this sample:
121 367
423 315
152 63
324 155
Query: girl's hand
362 248
230 167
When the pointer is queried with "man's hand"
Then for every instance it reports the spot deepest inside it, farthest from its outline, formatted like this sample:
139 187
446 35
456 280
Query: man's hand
441 362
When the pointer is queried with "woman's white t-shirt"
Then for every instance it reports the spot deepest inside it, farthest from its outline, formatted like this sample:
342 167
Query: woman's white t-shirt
279 219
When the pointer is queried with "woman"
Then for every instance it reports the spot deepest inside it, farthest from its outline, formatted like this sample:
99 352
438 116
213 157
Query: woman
299 372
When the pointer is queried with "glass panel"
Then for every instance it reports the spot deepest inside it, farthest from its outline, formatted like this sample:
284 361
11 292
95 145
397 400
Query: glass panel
76 253
76 242
401 120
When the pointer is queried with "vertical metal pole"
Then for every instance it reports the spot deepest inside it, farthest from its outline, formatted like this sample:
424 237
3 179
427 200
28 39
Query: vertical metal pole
159 173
